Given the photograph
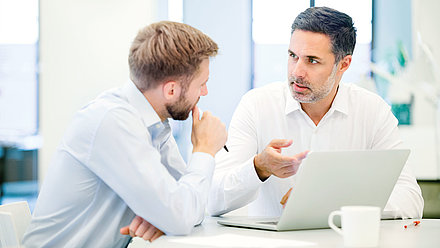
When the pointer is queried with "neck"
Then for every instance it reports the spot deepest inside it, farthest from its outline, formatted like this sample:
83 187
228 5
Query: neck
317 110
153 97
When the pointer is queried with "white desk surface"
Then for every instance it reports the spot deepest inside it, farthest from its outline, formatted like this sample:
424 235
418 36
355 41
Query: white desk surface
211 234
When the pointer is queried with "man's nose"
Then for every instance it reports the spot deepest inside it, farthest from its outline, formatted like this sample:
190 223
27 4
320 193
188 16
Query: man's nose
299 69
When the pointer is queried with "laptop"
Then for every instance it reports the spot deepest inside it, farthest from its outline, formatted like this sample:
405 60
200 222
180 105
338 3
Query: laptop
327 181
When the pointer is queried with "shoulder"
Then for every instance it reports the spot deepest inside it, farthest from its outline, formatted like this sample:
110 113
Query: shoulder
267 93
110 103
109 107
363 98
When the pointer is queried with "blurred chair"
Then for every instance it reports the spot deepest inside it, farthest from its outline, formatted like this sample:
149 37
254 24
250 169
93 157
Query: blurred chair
14 219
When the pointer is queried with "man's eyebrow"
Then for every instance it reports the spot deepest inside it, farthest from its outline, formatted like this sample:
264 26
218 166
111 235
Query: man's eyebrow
309 57
313 57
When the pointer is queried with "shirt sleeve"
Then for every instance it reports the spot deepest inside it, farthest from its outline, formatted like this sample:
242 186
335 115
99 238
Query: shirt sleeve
235 182
124 158
406 199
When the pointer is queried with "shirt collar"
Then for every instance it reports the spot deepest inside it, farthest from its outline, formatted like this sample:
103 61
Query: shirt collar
291 104
141 104
340 103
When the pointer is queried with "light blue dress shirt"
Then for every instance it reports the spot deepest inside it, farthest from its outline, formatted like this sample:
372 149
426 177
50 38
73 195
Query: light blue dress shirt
118 160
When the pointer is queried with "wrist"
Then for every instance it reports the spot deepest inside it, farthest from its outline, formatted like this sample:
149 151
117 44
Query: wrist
204 150
262 174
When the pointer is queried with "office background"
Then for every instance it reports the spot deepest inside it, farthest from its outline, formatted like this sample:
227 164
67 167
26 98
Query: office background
56 55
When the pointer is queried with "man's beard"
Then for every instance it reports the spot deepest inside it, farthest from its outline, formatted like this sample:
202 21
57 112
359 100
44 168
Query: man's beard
315 94
180 110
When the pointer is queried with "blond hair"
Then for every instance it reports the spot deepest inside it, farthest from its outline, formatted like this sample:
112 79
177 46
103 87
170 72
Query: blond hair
166 51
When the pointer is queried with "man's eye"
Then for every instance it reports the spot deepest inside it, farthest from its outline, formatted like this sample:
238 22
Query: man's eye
313 61
292 55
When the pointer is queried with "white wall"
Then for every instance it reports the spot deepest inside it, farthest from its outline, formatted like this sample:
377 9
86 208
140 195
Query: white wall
426 20
83 51
423 137
227 22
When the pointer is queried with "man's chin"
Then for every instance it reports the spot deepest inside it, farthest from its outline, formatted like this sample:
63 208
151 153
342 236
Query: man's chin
180 116
302 98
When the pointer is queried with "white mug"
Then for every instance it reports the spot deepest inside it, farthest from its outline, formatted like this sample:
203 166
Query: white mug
360 225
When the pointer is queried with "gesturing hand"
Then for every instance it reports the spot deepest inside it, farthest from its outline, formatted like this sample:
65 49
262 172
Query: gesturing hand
271 162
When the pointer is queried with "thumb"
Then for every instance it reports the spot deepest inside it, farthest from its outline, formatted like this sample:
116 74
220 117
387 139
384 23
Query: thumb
124 230
280 143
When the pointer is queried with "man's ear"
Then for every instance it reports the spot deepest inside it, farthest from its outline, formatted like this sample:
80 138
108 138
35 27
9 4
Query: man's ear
171 90
345 63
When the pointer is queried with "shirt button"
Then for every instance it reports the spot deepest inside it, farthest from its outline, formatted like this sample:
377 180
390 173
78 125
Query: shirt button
157 126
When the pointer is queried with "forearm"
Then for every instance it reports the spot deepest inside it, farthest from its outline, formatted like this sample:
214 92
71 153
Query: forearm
182 206
406 200
155 185
233 188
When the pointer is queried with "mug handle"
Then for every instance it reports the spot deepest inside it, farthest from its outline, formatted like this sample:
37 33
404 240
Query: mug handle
330 221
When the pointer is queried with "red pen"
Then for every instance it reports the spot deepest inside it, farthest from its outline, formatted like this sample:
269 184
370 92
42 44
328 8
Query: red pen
415 223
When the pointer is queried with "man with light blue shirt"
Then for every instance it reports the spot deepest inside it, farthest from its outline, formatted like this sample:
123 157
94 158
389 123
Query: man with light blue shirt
118 158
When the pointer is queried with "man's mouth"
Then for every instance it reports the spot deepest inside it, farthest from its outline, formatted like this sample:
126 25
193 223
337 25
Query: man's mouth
298 87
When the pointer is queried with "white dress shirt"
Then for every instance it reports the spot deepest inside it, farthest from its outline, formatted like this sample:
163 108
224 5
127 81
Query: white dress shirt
118 160
357 120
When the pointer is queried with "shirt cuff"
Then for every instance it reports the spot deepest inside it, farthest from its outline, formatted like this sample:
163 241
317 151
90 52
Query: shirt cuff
249 174
202 163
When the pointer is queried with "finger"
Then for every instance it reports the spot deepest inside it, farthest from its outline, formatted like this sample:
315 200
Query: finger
156 235
288 192
149 233
124 230
283 200
302 155
285 173
283 161
206 114
195 114
280 143
142 228
287 161
134 225
295 159
285 197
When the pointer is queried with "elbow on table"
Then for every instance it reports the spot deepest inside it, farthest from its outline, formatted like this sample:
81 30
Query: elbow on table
215 212
215 208
180 227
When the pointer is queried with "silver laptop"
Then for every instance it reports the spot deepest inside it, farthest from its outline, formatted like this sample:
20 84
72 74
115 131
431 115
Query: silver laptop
328 180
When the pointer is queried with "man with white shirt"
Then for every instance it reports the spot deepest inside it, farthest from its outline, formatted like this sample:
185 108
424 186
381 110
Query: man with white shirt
275 126
118 158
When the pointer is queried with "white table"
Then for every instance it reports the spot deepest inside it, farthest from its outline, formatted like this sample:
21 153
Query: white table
211 234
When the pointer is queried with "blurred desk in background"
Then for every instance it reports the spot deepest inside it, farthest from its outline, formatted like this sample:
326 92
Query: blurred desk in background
19 163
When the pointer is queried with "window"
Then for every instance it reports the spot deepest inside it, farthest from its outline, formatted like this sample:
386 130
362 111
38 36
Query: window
272 21
18 68
271 25
361 13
